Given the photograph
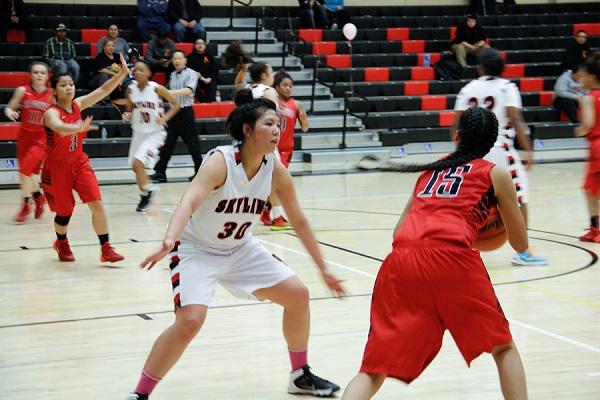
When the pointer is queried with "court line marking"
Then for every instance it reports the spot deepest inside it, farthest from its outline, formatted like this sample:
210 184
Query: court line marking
512 321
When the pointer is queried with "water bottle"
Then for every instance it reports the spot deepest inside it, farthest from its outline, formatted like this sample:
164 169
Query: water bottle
218 97
426 60
104 133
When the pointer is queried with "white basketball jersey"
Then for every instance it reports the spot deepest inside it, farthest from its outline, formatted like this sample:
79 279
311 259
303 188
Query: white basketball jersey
494 94
225 219
258 90
147 107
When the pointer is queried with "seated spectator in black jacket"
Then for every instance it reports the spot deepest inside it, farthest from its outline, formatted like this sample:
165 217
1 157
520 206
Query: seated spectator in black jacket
159 53
185 16
312 14
106 65
470 38
567 92
13 15
577 51
204 64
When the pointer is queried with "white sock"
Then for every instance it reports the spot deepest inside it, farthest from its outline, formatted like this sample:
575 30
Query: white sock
277 211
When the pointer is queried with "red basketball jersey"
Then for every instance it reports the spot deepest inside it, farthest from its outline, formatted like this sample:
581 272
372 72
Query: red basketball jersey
33 106
288 110
450 205
65 148
594 134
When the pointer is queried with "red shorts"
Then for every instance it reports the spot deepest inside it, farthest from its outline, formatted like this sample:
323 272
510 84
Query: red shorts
419 293
31 156
60 179
286 157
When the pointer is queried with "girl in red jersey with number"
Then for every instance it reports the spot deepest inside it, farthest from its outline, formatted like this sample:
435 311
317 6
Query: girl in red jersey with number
590 128
289 110
67 166
434 280
33 100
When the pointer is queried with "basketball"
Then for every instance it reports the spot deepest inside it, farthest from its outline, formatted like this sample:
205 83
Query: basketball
491 235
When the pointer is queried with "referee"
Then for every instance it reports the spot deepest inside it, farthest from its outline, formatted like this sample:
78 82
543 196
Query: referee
182 83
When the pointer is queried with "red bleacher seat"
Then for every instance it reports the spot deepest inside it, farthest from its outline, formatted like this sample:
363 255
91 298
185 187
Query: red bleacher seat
398 33
531 84
92 35
13 79
93 50
311 35
160 78
213 110
503 55
434 103
422 73
144 48
377 74
339 60
452 32
15 36
225 108
513 71
433 58
185 47
324 48
413 46
9 131
546 98
592 29
446 118
412 88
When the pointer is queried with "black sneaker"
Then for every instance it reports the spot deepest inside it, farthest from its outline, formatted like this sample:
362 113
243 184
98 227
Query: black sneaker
303 381
136 396
145 201
158 177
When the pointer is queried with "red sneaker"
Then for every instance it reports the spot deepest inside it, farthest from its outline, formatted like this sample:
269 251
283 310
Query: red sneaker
593 235
64 250
280 224
109 254
39 205
265 217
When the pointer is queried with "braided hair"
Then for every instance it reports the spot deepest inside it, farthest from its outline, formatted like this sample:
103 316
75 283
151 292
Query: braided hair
248 111
478 129
234 55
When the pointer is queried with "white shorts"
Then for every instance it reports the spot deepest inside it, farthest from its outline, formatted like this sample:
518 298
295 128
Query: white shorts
508 158
242 271
145 147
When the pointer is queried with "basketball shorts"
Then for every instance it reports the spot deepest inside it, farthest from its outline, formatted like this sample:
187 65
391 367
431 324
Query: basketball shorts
508 158
241 270
31 156
419 293
145 146
60 179
591 184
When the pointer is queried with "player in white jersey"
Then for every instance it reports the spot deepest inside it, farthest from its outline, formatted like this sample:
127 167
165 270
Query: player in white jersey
214 221
145 111
504 99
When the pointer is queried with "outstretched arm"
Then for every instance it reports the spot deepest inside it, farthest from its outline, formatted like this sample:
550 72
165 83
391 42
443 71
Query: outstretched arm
52 121
92 98
14 104
175 106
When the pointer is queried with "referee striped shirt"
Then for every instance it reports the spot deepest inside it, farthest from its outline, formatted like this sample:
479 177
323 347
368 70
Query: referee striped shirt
186 78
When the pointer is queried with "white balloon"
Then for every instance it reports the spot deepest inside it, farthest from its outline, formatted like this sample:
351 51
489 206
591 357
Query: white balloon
349 31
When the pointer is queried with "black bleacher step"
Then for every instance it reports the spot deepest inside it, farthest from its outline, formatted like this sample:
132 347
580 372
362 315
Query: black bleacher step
399 137
552 130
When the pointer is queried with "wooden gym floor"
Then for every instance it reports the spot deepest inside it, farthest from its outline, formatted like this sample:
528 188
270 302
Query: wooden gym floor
82 330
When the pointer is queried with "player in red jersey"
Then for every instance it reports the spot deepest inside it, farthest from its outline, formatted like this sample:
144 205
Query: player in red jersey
290 110
590 128
434 280
67 166
33 100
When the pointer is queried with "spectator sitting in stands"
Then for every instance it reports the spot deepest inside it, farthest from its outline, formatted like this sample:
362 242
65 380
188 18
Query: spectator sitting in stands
577 51
204 64
567 92
159 52
59 51
13 15
335 9
470 38
120 44
312 15
152 17
185 15
106 65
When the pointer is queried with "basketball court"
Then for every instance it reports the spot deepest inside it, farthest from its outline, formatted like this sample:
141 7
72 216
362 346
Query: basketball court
82 330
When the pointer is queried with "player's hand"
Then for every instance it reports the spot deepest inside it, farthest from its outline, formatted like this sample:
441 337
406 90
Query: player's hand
11 114
160 121
85 125
334 284
126 116
160 253
124 70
